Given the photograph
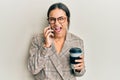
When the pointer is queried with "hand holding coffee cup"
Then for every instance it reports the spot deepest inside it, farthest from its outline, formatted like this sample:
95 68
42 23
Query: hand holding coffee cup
75 59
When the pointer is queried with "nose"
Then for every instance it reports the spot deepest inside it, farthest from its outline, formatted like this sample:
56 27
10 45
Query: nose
56 22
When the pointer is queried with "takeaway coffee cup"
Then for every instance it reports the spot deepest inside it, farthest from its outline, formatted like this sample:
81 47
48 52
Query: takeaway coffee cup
74 54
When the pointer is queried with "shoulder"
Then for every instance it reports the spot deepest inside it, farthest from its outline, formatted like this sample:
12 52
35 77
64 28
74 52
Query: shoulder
75 41
37 37
74 37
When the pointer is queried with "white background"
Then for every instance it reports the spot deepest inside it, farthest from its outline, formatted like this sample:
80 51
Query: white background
97 22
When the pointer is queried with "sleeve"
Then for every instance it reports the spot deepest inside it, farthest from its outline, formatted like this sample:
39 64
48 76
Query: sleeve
81 73
37 56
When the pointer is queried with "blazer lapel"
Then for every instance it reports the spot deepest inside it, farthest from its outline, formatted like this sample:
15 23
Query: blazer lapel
66 45
57 65
55 59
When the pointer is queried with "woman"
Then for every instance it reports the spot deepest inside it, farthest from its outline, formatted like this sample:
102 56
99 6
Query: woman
49 52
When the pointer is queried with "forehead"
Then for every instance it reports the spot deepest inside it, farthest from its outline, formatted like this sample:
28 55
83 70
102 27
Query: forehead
57 13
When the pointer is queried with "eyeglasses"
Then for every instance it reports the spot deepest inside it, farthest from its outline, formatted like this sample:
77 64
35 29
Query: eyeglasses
52 20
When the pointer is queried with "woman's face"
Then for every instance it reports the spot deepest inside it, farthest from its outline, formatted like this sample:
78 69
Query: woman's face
58 22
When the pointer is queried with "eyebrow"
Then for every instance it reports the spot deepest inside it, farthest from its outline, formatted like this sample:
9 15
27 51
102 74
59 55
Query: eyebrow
58 17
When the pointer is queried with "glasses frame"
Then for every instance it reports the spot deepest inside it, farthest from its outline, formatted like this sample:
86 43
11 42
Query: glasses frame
59 19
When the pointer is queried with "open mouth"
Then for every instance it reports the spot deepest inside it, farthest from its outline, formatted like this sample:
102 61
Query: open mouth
57 29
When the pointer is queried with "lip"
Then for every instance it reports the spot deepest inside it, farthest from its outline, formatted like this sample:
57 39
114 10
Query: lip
57 29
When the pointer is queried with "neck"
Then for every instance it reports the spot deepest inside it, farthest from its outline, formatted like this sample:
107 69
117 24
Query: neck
59 39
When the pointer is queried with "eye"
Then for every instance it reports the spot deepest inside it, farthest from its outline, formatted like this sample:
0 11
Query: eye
61 18
51 19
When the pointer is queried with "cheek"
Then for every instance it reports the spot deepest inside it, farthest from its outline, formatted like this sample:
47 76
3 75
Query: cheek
65 25
52 25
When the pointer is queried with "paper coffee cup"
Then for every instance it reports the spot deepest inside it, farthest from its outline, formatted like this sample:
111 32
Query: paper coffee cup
74 54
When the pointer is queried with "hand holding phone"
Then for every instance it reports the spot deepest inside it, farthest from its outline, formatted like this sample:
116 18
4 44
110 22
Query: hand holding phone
52 33
48 35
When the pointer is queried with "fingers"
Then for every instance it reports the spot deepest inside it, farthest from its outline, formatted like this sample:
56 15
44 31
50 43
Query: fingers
47 28
82 56
80 64
81 60
47 32
50 34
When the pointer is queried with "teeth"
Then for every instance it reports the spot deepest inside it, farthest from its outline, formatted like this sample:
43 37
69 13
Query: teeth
57 29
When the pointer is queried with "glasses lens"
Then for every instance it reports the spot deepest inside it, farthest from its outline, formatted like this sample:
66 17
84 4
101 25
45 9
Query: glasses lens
53 20
61 19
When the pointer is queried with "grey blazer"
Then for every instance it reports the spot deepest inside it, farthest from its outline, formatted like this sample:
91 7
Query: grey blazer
46 64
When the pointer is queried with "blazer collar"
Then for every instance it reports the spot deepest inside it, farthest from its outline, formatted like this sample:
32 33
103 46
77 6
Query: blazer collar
55 58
